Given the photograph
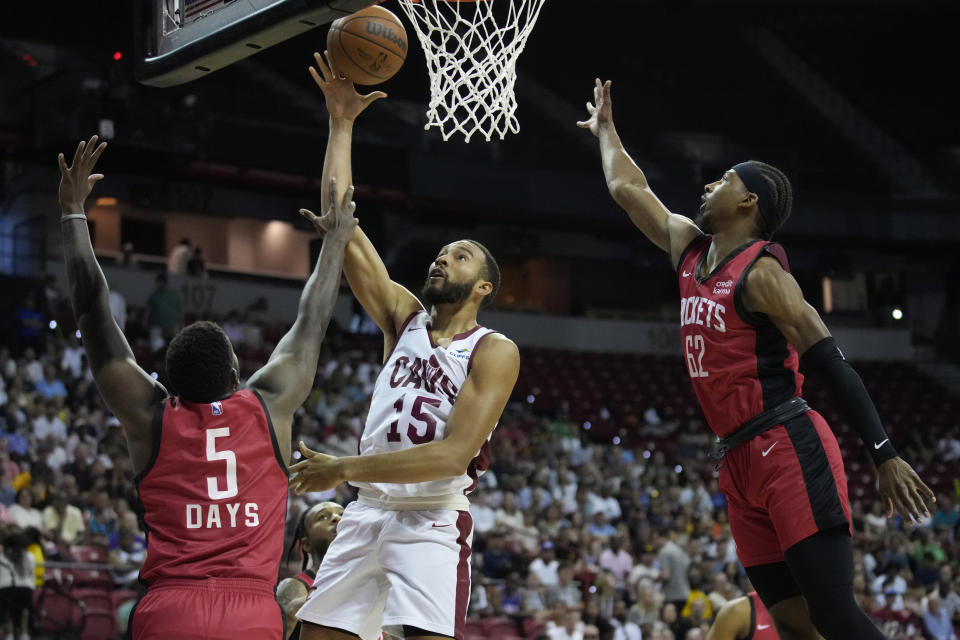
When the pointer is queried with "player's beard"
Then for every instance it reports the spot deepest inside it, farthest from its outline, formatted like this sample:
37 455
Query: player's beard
705 221
447 293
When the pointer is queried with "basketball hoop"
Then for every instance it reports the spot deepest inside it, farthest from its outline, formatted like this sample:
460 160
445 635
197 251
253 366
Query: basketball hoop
472 56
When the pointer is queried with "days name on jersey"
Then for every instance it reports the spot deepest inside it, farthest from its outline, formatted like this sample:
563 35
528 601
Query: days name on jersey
217 515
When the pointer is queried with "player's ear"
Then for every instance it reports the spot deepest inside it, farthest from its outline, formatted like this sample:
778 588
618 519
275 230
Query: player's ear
235 378
483 287
748 200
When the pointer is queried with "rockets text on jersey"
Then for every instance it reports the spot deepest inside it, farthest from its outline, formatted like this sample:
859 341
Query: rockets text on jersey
739 362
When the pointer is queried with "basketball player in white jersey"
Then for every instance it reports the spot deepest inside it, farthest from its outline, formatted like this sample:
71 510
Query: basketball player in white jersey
402 552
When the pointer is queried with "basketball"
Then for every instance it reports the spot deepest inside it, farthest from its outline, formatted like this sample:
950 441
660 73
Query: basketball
368 46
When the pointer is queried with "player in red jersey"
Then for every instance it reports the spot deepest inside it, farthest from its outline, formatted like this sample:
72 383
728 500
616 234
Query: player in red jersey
211 462
743 618
743 323
316 529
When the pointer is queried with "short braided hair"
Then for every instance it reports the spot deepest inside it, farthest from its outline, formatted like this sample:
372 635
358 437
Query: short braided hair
781 192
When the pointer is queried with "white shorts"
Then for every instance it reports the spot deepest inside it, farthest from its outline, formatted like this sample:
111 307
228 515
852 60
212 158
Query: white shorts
388 568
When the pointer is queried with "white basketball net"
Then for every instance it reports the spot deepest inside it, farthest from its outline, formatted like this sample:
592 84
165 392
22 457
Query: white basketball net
472 62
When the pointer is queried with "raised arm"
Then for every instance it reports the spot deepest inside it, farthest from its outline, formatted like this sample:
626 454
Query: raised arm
285 381
387 302
628 185
771 291
479 405
129 392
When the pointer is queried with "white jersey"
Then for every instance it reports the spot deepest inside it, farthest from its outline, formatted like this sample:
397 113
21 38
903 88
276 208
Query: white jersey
412 400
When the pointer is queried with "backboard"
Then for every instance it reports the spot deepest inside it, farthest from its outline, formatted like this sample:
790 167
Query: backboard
182 40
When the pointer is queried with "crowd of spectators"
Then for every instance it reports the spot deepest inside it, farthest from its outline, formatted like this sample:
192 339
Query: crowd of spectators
573 539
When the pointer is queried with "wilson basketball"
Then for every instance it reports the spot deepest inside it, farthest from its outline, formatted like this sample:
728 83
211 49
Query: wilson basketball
368 46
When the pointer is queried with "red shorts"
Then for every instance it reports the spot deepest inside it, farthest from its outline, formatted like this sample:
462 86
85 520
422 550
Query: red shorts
231 609
783 486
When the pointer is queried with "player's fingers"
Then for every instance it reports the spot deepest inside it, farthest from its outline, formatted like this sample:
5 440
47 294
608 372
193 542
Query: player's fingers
77 154
347 198
94 179
97 153
889 506
909 507
316 78
309 215
373 97
91 145
307 453
924 490
321 61
590 108
330 65
63 164
332 185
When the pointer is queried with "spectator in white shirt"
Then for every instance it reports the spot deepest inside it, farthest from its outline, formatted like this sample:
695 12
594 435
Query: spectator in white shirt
484 517
49 424
623 629
179 256
22 512
32 366
545 565
508 515
72 360
63 521
118 309
17 582
572 628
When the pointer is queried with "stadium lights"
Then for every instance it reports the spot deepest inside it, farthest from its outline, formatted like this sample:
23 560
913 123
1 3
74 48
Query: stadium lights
897 314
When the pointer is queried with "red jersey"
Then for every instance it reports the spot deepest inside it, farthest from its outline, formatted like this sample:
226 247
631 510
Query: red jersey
761 624
215 492
739 362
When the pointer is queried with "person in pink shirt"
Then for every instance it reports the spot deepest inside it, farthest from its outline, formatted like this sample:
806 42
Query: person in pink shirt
616 560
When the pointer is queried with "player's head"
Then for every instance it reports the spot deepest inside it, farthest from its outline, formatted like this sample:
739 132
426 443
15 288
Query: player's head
201 364
463 271
316 529
750 191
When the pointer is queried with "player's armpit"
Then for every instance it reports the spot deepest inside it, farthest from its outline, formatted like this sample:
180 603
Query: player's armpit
483 397
771 291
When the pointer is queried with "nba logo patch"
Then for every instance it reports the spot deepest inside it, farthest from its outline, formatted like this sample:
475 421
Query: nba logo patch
216 408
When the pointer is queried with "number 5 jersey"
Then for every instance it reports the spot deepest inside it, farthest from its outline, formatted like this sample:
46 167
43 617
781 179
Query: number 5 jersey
412 401
215 493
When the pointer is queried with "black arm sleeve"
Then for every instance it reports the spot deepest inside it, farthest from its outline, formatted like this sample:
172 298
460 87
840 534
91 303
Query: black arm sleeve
851 397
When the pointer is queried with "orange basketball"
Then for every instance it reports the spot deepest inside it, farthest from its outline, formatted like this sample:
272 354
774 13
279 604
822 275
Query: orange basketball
368 46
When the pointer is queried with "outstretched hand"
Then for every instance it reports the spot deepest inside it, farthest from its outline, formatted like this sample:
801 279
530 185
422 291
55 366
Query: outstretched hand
316 472
343 101
902 490
600 110
76 181
339 220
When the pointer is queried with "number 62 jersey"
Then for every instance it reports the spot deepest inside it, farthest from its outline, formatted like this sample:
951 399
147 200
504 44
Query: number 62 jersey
411 404
215 493
739 362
